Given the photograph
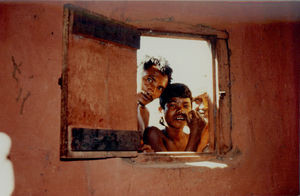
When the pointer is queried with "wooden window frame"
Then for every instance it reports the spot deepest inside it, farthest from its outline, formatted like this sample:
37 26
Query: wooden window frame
220 117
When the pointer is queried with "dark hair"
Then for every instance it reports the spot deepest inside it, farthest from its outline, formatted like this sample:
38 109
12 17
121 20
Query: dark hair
175 90
162 65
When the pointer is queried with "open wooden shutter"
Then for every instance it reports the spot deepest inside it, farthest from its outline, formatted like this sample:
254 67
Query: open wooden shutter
98 87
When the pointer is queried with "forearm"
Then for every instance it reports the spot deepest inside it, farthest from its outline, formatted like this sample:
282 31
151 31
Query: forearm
196 125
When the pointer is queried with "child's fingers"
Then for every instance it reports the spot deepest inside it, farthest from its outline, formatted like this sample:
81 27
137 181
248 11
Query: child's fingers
197 114
190 116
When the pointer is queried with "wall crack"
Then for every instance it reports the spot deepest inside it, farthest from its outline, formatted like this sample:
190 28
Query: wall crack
16 69
23 102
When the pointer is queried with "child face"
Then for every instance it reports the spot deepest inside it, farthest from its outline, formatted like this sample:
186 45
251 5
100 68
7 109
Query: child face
153 84
176 112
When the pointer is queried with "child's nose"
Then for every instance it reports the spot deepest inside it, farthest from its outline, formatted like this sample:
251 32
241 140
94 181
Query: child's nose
179 110
150 89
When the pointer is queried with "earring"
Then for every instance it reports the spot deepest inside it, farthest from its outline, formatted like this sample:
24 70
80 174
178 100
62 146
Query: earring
162 121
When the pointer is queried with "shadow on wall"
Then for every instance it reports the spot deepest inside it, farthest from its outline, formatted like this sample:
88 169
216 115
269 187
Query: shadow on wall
7 183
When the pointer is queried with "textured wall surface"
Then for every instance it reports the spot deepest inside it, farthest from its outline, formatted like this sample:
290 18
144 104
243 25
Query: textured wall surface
264 43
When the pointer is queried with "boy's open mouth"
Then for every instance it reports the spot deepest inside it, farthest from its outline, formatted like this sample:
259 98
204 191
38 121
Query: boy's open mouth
180 117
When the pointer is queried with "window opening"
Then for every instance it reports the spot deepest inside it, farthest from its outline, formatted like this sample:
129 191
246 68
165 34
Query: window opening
191 61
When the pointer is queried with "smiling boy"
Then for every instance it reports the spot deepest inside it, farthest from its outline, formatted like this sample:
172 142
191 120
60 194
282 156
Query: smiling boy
176 104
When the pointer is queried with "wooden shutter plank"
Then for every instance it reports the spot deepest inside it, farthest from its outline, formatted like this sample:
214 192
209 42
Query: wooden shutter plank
84 139
225 114
97 26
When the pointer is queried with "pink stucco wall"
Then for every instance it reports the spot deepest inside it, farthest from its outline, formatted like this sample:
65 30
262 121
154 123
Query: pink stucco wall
264 41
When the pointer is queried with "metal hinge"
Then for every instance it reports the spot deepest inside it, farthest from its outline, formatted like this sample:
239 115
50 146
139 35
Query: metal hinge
222 94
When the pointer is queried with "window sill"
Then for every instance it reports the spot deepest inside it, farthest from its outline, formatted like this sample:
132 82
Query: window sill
176 160
186 160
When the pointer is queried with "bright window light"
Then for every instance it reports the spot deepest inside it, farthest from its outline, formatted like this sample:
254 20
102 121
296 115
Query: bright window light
208 164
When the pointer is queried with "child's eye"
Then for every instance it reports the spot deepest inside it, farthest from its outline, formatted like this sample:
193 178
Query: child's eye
150 80
172 105
160 88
